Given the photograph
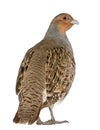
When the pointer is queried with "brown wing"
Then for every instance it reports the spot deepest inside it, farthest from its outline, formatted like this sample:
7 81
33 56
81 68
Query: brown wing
60 70
23 68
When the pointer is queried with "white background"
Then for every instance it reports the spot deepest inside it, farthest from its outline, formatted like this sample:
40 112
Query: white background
23 23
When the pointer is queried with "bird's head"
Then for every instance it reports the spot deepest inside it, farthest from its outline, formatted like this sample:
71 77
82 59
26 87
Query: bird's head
64 22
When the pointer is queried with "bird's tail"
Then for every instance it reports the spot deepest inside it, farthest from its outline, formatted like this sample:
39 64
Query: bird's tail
28 111
31 91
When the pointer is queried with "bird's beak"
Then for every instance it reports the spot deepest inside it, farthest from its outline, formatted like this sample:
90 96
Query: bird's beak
74 21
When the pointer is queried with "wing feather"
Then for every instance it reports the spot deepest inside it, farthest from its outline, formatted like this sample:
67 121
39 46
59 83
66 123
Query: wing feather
60 70
23 69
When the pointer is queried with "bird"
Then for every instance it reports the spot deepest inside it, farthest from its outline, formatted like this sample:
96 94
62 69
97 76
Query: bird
46 73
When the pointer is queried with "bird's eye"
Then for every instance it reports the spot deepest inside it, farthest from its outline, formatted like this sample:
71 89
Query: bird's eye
65 18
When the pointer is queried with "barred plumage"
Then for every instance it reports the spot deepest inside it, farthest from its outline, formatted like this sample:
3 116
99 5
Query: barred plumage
60 71
46 73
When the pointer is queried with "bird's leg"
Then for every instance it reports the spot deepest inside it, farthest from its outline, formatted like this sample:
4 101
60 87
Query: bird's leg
52 121
51 113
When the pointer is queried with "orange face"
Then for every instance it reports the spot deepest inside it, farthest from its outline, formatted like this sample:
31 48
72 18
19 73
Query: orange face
64 22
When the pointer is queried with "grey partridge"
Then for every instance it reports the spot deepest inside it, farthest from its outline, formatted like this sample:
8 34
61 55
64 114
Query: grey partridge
46 73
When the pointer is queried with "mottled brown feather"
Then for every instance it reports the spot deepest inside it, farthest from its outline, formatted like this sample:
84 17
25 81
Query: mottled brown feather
60 71
31 86
23 68
46 72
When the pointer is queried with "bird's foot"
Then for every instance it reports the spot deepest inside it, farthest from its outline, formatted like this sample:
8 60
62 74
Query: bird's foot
50 122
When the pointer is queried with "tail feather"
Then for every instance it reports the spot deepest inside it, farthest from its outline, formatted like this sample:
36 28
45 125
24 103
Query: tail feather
27 115
16 118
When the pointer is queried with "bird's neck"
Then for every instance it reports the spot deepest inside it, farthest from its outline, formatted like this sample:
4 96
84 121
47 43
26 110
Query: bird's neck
53 33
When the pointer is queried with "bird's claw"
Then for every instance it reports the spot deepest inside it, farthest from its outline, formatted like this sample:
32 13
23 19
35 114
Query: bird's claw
50 122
